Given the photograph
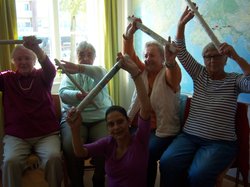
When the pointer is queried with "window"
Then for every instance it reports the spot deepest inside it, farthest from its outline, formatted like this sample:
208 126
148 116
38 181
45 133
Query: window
61 24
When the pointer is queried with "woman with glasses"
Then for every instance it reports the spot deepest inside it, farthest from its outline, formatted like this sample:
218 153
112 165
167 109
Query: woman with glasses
208 143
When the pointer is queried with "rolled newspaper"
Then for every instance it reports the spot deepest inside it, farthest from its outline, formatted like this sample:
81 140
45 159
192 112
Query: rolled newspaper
204 25
4 42
100 85
153 34
58 63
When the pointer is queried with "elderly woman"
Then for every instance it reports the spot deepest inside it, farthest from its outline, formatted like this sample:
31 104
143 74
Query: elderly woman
162 76
93 123
208 143
30 122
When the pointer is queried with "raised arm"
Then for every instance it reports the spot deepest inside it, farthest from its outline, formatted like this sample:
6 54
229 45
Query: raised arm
31 43
74 120
135 73
229 51
173 71
187 15
49 70
95 72
128 43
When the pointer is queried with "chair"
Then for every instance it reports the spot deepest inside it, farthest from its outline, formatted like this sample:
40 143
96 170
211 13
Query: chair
241 162
57 103
33 158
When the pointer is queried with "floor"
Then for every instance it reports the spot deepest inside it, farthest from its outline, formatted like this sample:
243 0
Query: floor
226 182
32 179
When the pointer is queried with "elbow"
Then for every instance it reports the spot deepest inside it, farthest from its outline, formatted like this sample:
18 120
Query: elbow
100 73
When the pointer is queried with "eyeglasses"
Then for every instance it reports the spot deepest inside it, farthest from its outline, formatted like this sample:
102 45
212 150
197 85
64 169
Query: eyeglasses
215 57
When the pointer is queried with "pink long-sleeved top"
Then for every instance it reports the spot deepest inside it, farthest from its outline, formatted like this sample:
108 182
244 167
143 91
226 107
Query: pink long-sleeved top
28 106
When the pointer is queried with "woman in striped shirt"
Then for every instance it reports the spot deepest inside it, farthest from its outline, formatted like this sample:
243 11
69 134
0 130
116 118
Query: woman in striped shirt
208 143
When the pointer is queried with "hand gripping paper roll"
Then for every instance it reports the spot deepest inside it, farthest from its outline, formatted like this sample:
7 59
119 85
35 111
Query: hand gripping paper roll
58 63
153 34
100 85
203 23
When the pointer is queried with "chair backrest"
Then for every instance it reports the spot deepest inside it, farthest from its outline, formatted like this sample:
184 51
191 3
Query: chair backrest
57 103
242 131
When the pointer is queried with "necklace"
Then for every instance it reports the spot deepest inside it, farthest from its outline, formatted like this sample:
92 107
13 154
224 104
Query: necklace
28 88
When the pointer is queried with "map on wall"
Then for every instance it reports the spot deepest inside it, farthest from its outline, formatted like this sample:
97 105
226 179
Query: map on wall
229 19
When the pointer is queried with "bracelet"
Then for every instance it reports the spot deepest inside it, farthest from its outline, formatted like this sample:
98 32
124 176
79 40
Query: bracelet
136 75
170 65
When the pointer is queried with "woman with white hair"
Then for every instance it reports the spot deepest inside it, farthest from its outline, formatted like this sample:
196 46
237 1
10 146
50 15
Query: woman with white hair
93 124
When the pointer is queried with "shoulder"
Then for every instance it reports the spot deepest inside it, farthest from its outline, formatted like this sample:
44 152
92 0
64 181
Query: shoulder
235 76
7 72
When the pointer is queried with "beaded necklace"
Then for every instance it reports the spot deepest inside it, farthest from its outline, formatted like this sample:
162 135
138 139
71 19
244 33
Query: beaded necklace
28 88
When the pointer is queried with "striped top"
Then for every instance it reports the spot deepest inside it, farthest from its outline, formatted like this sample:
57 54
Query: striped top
214 102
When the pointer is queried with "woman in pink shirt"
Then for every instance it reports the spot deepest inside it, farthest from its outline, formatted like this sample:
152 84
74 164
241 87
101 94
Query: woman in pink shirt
126 155
30 123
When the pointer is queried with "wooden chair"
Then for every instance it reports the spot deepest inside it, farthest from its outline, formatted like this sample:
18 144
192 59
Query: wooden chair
241 162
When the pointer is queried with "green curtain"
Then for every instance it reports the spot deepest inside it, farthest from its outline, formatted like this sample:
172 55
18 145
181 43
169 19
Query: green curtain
8 31
111 46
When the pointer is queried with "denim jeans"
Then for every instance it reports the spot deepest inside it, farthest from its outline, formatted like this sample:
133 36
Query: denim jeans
157 146
194 161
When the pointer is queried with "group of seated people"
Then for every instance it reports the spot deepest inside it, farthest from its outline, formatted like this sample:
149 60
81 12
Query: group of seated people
125 145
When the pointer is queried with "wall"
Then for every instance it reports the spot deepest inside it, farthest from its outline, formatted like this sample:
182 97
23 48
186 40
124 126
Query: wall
229 20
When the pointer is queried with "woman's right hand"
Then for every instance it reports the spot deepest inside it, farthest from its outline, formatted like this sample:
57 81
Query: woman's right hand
74 119
70 67
187 15
80 96
131 28
128 65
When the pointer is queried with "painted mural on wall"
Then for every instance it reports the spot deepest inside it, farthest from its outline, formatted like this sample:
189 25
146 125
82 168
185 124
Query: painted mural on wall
229 19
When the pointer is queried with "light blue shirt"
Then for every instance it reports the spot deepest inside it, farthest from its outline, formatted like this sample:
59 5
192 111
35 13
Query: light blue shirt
91 76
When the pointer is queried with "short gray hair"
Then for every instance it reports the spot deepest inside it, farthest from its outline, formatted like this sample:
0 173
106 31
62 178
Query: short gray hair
209 46
158 45
85 45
